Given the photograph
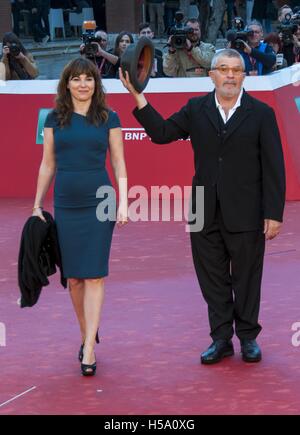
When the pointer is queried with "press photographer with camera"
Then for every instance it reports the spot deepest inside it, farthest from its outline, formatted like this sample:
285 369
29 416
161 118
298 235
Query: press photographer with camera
123 40
16 63
259 57
39 18
297 45
275 42
94 48
157 70
289 22
187 55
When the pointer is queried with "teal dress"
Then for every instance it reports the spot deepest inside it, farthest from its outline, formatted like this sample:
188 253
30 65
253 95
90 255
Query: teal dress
80 151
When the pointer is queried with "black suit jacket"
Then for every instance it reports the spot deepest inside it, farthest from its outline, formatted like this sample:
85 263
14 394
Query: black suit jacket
39 255
240 162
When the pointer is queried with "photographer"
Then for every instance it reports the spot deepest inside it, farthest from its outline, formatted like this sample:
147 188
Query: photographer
17 62
259 57
297 45
40 20
275 42
287 29
17 6
187 56
96 51
122 41
157 70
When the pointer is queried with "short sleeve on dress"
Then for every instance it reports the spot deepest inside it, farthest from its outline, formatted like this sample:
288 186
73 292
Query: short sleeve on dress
51 120
113 120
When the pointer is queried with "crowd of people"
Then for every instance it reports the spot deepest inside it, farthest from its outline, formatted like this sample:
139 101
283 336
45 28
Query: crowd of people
189 47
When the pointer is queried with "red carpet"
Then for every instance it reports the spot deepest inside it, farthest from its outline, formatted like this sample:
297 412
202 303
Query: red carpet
154 327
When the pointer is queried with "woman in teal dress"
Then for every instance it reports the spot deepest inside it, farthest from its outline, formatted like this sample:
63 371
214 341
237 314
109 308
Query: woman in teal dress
77 135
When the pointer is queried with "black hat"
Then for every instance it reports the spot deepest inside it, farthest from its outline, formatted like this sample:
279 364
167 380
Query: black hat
138 61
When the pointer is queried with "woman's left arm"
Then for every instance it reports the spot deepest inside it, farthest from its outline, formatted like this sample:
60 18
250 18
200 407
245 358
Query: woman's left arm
29 65
119 167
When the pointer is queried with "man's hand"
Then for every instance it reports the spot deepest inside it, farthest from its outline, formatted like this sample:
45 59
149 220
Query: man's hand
99 49
139 97
271 229
188 44
247 48
169 44
126 82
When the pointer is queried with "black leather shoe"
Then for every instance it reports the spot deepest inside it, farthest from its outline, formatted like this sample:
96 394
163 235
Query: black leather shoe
217 351
250 351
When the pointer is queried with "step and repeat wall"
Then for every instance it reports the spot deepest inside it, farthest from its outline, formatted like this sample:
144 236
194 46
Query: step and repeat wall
24 105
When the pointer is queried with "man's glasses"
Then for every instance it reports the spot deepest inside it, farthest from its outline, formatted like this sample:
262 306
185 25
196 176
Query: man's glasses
224 70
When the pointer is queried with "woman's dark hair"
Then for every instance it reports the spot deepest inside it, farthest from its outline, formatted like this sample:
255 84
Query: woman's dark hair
12 38
98 110
118 39
273 38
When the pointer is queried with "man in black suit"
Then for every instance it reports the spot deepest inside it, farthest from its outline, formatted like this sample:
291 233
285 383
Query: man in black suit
239 161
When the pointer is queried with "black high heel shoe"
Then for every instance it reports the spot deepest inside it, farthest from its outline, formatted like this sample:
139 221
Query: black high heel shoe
80 353
88 369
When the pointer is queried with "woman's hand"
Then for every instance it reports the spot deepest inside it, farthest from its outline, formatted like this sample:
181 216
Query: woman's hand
38 212
5 51
122 215
20 56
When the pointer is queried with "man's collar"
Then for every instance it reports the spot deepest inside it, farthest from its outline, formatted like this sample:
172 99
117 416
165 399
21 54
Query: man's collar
237 104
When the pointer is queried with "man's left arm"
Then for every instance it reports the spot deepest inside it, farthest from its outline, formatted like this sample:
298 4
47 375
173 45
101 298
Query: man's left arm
203 54
268 58
273 173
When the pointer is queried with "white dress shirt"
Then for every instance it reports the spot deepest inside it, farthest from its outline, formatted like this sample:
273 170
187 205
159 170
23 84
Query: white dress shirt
231 111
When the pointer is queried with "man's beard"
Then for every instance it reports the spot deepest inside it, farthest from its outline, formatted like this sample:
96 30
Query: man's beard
232 92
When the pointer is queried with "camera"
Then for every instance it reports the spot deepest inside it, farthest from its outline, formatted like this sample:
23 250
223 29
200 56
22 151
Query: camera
179 33
14 49
289 27
237 34
89 40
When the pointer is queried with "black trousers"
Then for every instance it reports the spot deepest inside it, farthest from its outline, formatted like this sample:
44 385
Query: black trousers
39 32
15 10
229 269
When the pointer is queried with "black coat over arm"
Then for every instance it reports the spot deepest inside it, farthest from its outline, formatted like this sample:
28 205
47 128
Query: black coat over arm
39 254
